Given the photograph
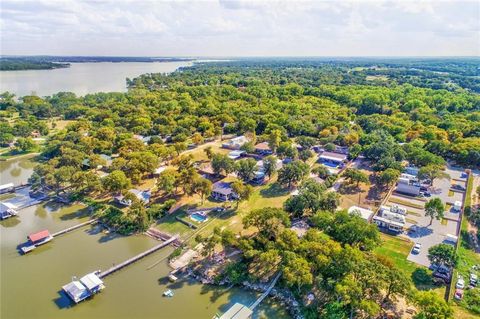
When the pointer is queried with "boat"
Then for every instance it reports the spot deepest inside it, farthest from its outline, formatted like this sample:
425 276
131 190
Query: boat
172 278
168 293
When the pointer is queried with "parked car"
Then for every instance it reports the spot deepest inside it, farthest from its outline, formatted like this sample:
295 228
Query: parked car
416 248
443 269
473 279
433 267
459 187
458 294
445 277
460 283
464 175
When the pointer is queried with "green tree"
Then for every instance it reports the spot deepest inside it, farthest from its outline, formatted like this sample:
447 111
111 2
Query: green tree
25 144
242 190
246 168
167 181
305 155
116 181
388 177
434 209
203 187
269 221
432 172
293 173
443 254
296 271
270 165
432 306
274 139
356 176
222 164
321 171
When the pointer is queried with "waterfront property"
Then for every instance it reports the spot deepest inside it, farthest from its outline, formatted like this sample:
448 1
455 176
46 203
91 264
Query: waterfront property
223 191
87 286
7 210
143 196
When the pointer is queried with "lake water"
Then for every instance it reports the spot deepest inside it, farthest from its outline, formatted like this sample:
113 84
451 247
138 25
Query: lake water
31 284
81 78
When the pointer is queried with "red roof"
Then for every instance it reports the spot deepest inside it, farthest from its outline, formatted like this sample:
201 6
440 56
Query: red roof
39 236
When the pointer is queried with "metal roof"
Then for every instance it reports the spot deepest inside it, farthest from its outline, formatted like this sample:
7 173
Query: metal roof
39 236
91 281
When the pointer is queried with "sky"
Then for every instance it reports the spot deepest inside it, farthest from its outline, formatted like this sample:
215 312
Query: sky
240 28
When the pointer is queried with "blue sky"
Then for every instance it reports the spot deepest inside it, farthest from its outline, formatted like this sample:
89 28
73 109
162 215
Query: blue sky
240 28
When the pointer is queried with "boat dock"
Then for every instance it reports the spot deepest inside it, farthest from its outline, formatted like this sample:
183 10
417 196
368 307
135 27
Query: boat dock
46 236
69 229
137 257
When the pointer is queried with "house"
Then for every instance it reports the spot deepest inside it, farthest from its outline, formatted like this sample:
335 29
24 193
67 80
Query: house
278 164
104 157
332 158
259 178
7 210
408 185
235 143
387 219
40 238
236 154
143 196
411 170
7 188
223 191
263 149
366 214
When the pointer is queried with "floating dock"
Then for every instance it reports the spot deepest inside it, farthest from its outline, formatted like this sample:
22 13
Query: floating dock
137 257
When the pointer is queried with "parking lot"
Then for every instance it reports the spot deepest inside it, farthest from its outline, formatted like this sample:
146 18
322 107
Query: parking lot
419 228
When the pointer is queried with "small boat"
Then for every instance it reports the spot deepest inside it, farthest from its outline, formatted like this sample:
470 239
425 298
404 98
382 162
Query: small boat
168 293
172 278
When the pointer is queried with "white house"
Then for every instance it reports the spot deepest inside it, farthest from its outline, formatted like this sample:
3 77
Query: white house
390 220
235 143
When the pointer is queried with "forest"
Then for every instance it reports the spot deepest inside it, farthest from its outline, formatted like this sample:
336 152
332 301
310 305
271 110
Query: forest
383 109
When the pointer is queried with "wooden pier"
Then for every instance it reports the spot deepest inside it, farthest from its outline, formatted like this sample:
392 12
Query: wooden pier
137 257
69 229
265 294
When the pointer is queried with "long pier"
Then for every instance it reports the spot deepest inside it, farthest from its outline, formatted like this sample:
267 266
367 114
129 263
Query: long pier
69 229
265 294
127 262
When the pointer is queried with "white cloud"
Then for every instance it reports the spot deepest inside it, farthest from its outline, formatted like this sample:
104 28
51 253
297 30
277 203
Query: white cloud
233 28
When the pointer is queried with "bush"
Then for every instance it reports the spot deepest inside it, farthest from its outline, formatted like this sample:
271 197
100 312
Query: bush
159 210
472 300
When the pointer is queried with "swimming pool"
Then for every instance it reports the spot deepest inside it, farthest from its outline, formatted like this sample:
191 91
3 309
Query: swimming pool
330 164
199 218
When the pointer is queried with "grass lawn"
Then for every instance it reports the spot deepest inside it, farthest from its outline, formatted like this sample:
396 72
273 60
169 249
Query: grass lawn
269 195
397 249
